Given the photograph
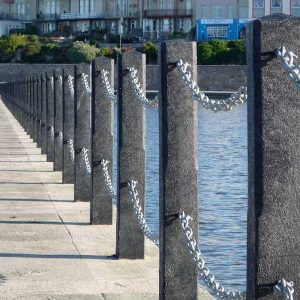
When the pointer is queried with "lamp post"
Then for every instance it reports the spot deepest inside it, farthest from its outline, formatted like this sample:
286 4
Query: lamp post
121 31
238 17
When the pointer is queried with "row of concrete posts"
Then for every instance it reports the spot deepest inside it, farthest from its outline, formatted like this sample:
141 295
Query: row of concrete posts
53 115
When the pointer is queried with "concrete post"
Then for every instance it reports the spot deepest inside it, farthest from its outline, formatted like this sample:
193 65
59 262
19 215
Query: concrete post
82 134
274 164
58 121
131 155
39 112
27 105
34 109
50 115
178 171
31 107
102 141
44 113
69 125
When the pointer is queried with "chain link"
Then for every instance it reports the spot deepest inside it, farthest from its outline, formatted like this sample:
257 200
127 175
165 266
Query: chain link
287 61
52 82
215 105
52 133
204 271
60 136
71 85
112 192
71 149
85 156
139 92
108 90
285 288
85 82
135 201
60 80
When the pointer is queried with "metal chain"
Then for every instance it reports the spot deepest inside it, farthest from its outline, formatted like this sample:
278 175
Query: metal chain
86 160
287 61
285 288
52 133
108 181
139 92
71 149
60 80
85 82
204 271
108 90
135 201
52 82
215 105
60 136
71 85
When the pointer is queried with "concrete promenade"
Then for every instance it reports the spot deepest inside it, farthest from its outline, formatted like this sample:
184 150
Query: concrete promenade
47 248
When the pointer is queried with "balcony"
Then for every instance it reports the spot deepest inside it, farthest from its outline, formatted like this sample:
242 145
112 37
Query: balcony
15 17
86 16
168 13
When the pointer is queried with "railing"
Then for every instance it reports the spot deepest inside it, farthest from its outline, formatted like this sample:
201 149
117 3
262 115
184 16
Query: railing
16 17
78 139
86 16
184 13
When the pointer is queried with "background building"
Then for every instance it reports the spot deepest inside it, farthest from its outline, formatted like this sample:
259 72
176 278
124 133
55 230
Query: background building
226 19
221 19
153 19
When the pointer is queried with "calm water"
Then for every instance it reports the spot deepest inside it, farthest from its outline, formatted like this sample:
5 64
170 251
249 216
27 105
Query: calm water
222 190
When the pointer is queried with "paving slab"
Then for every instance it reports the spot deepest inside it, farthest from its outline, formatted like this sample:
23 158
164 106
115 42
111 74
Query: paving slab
26 166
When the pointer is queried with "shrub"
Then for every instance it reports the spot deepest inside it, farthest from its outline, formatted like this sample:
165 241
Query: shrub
31 52
9 44
220 52
81 52
205 51
151 52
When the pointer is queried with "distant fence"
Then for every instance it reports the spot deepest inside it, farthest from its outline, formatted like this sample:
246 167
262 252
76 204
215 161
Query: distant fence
69 113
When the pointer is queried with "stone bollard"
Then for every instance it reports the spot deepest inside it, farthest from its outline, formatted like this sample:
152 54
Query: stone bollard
34 109
69 125
50 115
82 133
39 112
178 171
102 141
31 109
131 156
44 114
274 164
58 121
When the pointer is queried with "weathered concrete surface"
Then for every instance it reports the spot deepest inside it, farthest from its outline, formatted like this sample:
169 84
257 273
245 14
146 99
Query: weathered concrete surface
48 250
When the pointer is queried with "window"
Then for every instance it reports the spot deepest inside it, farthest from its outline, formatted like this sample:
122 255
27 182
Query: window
230 10
296 8
217 11
188 4
204 11
217 31
86 6
259 4
154 25
243 12
276 6
258 8
166 4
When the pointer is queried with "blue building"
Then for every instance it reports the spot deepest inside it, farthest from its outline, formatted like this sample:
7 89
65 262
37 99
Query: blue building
223 29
